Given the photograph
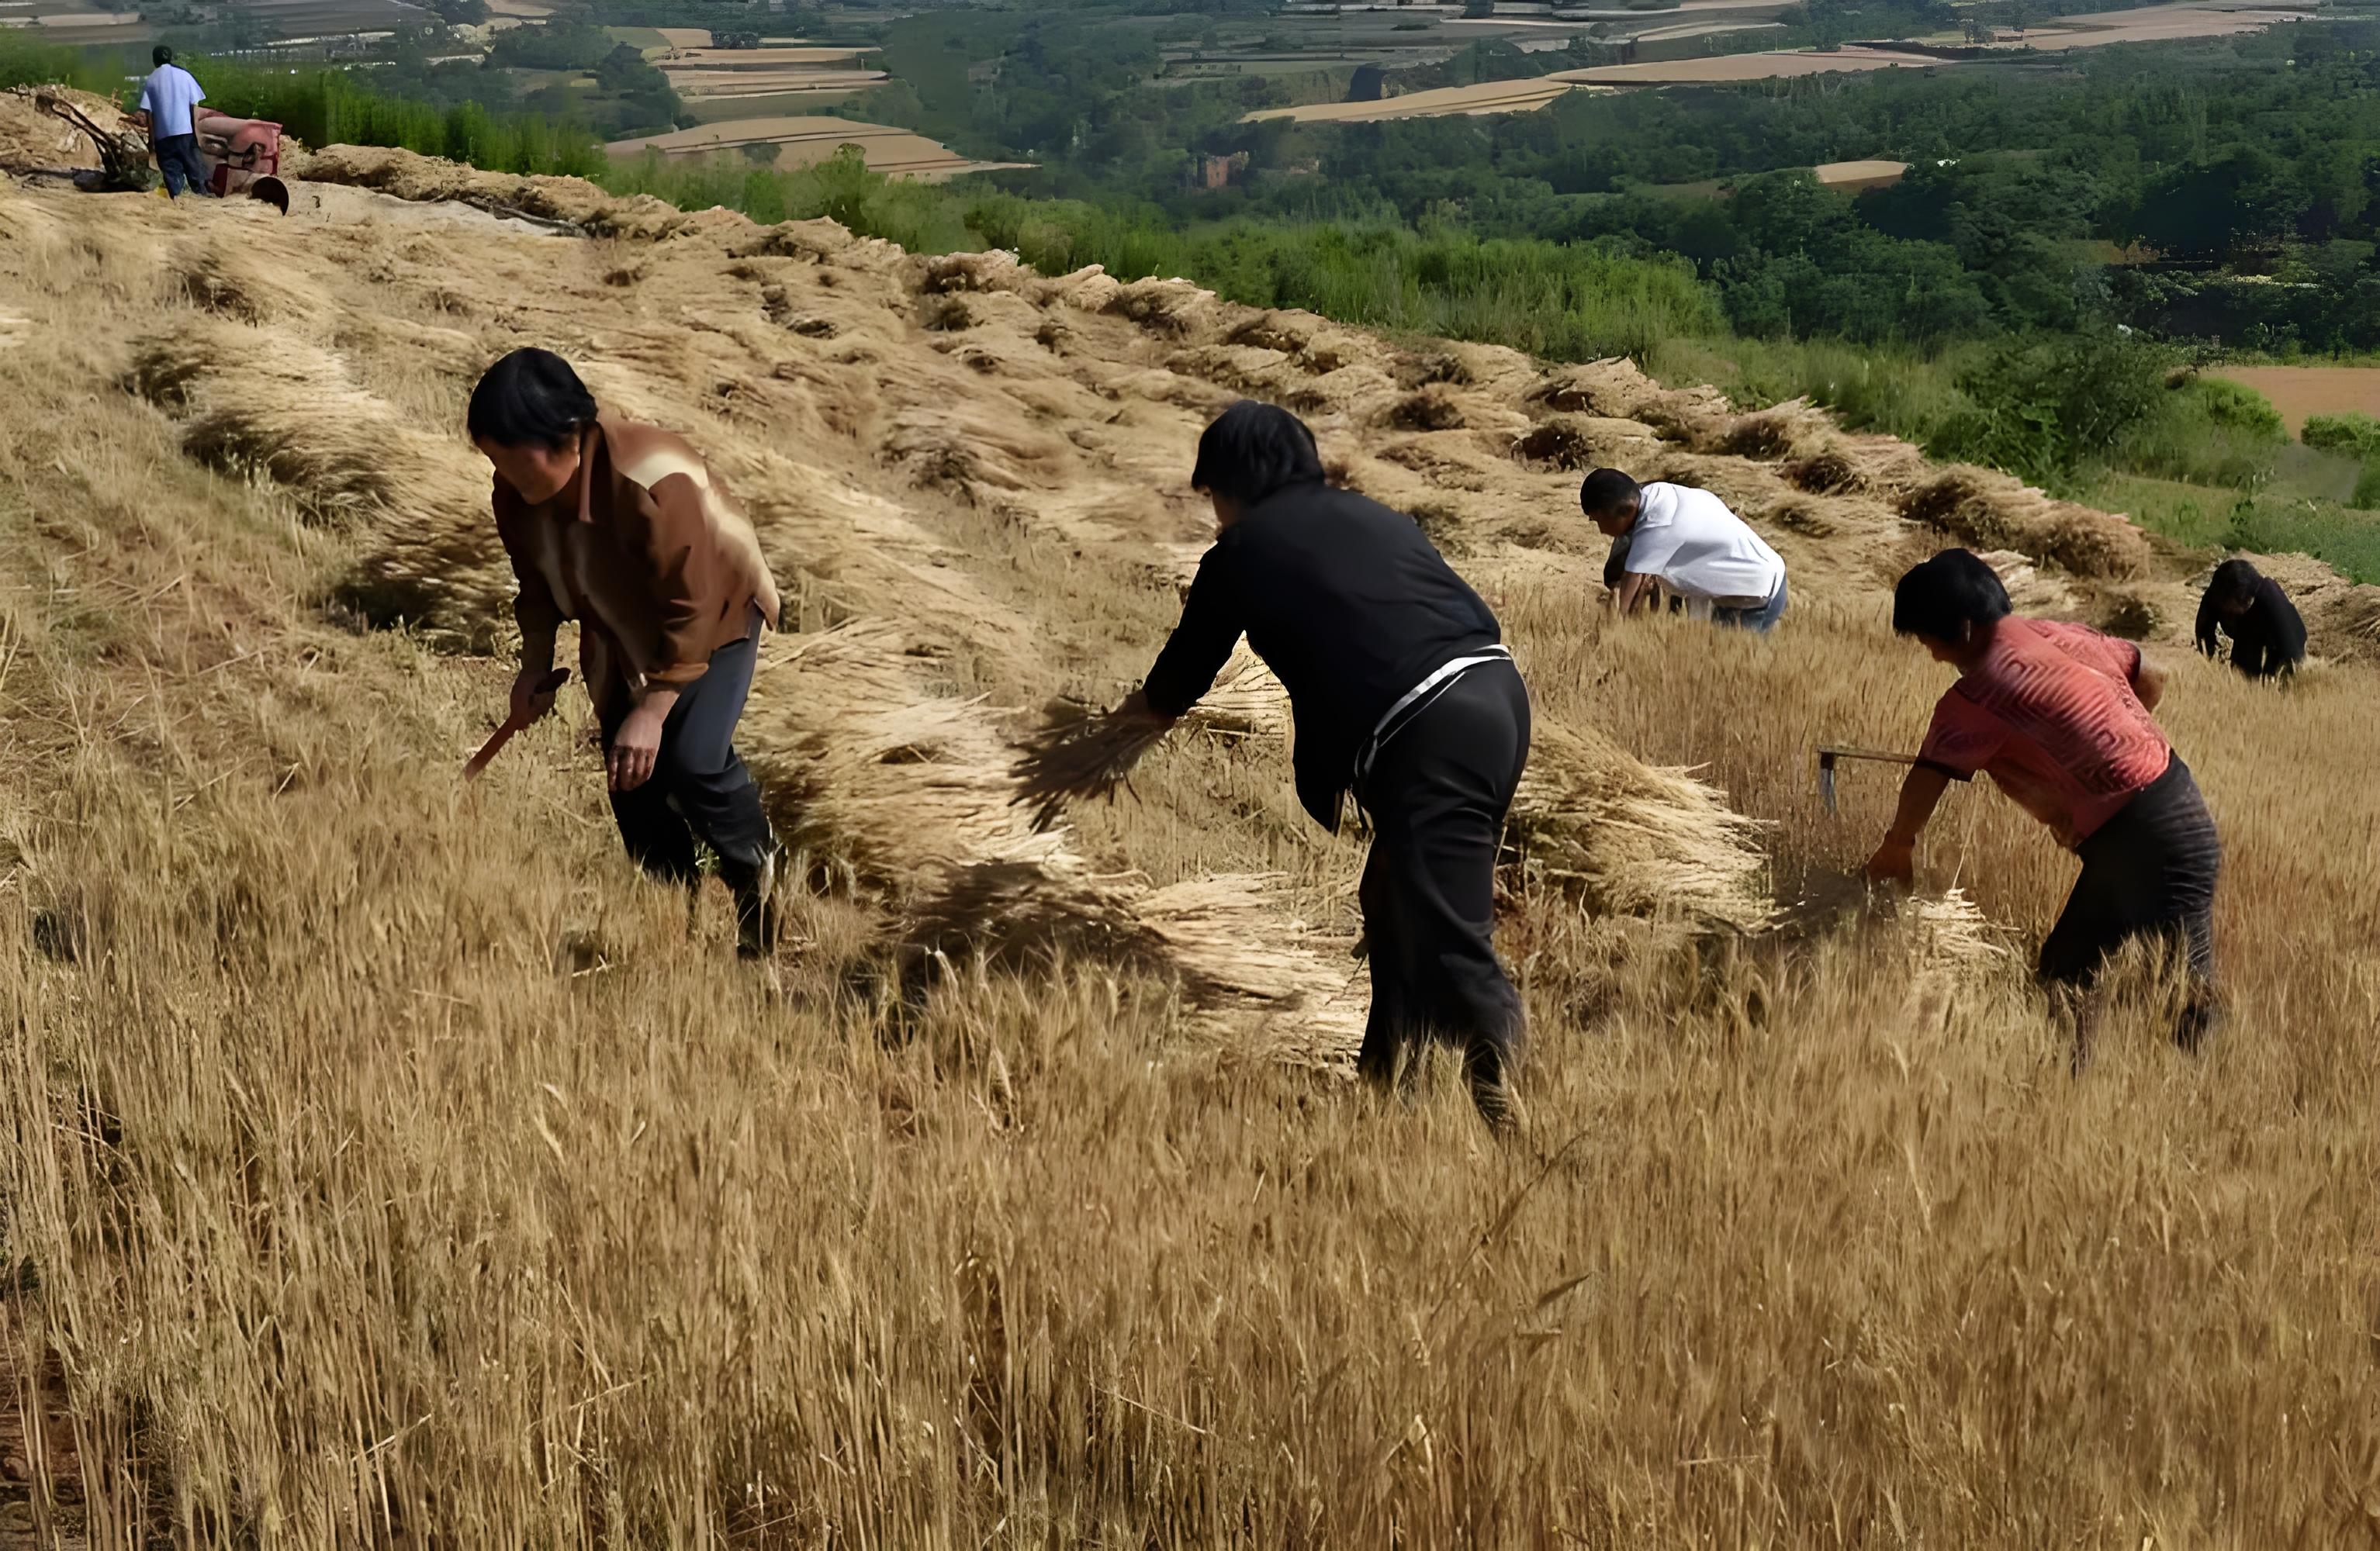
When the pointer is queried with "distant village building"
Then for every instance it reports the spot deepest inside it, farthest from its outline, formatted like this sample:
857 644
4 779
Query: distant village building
1217 172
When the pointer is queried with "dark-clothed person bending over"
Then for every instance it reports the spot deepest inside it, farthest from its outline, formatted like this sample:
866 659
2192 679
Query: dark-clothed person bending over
2268 639
1401 692
624 528
2058 715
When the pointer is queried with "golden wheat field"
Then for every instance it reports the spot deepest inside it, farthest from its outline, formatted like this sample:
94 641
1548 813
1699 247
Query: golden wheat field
384 1165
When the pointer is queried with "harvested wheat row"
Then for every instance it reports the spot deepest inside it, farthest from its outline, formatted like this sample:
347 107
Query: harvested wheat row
1993 511
1796 429
905 791
263 401
426 178
1626 838
912 796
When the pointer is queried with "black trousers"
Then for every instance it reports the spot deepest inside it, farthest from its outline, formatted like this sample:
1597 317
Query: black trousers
2149 871
1436 793
700 789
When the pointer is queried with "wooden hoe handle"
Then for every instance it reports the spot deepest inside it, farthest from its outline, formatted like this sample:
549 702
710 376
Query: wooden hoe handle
503 734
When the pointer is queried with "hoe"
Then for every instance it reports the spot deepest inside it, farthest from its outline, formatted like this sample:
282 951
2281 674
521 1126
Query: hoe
1827 758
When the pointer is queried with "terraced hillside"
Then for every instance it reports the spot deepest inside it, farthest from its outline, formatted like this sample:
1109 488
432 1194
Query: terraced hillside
385 1164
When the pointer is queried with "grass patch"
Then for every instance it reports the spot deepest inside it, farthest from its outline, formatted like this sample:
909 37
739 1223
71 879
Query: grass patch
2346 540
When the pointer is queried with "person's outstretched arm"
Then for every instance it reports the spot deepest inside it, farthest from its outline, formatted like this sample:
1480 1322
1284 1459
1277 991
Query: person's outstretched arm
1896 859
2207 619
534 610
1198 647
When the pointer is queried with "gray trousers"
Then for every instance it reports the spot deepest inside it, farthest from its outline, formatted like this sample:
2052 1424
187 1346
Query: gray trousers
700 789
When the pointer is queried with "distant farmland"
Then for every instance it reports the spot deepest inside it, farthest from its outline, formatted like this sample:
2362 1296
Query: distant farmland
2149 24
88 24
1745 66
710 76
1858 177
806 141
1503 96
2299 391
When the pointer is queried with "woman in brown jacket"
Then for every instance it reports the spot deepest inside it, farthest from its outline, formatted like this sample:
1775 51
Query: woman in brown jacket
622 528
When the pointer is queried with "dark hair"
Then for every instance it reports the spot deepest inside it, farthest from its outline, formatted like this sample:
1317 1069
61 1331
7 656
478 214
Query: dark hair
531 398
161 54
1937 598
1251 450
2234 582
1607 489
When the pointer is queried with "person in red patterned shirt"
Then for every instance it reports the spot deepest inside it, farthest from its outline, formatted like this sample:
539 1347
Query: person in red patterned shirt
2058 716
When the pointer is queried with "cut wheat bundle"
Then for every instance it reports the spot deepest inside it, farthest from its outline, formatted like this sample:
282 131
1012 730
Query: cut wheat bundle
1627 838
1991 510
872 774
1080 754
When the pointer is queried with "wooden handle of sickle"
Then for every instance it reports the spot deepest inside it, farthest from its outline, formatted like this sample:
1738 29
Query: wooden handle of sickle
503 734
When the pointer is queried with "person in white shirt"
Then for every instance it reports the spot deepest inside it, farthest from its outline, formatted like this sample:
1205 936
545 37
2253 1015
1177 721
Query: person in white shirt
1684 539
167 97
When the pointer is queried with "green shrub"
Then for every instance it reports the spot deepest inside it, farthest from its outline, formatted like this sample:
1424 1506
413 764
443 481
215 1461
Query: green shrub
2353 433
2237 408
2208 431
2367 488
2045 408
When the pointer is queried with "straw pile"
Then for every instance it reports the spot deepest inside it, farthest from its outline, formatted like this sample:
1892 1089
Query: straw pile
1626 837
1989 509
265 403
1796 429
1618 388
232 279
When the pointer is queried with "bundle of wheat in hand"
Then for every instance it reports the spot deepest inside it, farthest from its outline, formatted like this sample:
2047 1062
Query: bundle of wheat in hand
1080 751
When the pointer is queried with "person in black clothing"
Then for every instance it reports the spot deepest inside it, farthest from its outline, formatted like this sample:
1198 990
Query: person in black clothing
1400 692
2268 639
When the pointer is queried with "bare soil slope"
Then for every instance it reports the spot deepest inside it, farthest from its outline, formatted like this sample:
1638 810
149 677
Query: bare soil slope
386 1163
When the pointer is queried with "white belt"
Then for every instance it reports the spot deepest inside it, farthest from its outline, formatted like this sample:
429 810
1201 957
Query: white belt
1417 700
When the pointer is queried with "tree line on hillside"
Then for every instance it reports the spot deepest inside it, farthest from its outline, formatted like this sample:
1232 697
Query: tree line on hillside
2139 185
2219 189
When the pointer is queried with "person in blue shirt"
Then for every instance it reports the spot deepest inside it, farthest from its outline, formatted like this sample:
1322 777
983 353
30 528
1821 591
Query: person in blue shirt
167 98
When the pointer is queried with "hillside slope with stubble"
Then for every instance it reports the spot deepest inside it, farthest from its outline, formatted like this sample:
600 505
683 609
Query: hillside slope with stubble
385 1164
